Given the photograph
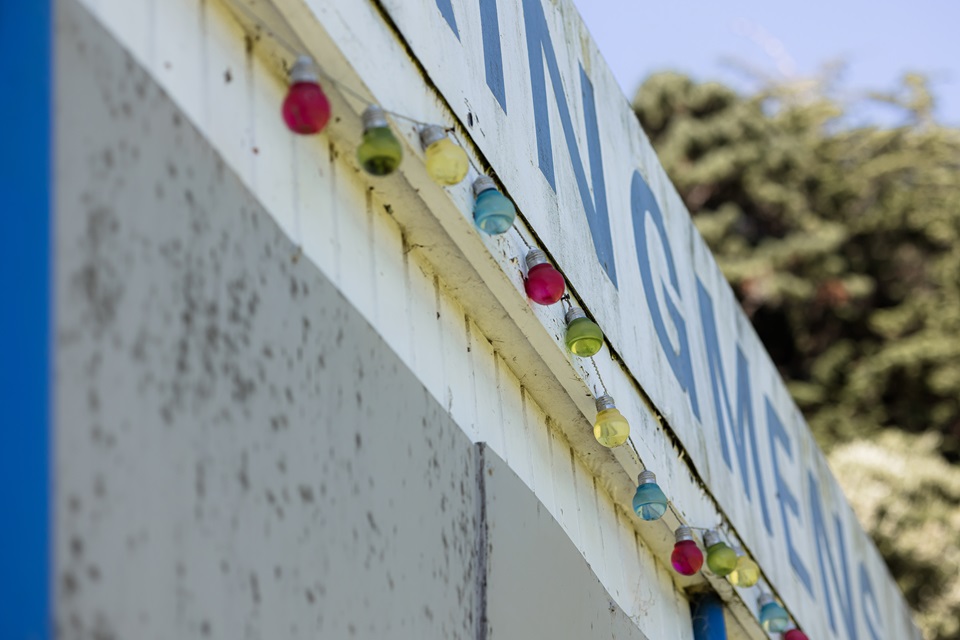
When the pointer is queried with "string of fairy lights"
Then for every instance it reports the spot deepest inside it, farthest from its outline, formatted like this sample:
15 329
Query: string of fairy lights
306 111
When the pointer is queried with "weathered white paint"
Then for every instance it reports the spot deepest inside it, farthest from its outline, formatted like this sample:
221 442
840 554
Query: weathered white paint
194 406
239 453
455 62
318 198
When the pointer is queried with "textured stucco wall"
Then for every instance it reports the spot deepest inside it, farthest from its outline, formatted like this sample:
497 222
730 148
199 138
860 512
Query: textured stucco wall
238 453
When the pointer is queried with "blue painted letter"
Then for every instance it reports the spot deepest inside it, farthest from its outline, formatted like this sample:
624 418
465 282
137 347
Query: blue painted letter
446 10
737 422
492 56
823 549
540 50
786 498
867 597
643 204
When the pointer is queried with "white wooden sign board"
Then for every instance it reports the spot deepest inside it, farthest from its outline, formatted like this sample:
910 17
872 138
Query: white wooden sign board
527 81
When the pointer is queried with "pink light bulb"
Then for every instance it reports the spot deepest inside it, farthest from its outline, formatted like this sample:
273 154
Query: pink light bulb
306 109
544 284
795 634
686 557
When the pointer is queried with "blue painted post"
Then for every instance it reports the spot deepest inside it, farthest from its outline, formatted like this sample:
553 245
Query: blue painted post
708 622
25 226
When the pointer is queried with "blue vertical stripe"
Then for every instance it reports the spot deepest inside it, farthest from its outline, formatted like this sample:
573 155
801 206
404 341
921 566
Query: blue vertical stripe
492 56
25 259
708 622
446 10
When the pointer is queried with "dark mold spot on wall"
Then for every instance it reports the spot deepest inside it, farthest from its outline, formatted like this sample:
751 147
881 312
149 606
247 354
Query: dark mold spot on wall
255 588
207 415
306 494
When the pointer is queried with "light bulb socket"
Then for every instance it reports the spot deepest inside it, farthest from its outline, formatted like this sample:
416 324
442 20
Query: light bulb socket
535 257
573 313
483 183
765 598
711 538
682 533
432 133
605 402
304 70
374 117
646 477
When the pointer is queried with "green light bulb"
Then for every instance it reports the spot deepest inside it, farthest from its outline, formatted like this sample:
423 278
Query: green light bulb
584 338
380 152
610 429
721 559
746 574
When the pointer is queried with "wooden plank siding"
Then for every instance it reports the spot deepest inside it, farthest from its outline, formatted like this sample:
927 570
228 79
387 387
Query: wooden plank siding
450 301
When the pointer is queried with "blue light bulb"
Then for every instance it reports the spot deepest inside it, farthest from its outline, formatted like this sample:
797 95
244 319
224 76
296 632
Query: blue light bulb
493 212
649 501
773 617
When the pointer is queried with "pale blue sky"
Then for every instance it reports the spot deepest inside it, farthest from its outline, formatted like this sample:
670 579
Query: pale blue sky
879 40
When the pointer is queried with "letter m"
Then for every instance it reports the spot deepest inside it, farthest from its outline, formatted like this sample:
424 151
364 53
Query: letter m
738 421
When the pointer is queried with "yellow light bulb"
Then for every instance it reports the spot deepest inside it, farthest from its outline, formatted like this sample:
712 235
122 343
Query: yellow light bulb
610 428
447 163
746 574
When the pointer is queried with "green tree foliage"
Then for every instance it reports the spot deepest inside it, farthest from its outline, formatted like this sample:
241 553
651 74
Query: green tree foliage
907 496
842 243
